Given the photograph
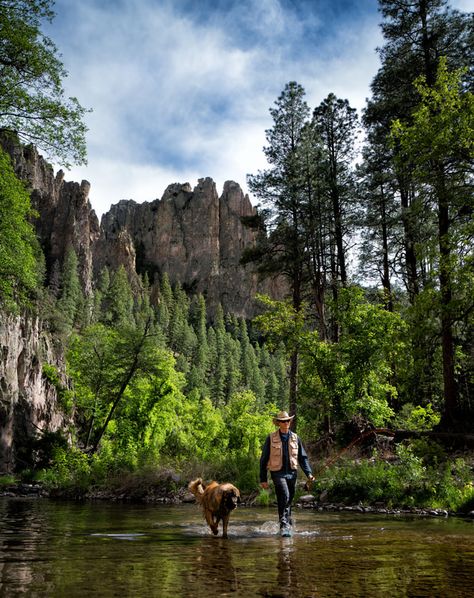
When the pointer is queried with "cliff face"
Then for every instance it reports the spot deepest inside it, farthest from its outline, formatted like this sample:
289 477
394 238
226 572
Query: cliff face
194 235
28 402
65 217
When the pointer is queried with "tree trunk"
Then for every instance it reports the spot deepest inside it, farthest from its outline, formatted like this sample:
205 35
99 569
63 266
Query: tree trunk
427 45
294 359
445 283
130 373
341 258
409 244
386 266
293 399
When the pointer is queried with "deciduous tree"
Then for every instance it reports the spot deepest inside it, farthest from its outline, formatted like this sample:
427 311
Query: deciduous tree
33 104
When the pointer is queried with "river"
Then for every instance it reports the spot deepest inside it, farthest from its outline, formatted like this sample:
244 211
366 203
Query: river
67 549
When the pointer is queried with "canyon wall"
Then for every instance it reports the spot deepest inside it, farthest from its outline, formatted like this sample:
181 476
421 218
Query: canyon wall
29 405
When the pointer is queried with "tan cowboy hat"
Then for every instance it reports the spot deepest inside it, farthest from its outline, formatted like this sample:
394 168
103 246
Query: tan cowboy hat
282 416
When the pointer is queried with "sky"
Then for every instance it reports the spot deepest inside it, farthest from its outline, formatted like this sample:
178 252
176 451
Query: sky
181 89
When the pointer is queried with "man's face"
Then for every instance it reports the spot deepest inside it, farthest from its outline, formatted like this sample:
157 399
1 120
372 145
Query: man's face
284 426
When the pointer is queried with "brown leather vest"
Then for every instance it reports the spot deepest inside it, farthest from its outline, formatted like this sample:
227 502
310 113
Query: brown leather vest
275 461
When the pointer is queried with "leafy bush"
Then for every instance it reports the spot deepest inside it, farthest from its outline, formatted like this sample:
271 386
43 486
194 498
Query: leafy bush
408 482
263 498
71 469
7 480
411 417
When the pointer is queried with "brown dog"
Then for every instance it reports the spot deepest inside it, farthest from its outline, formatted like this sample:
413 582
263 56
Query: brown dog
217 500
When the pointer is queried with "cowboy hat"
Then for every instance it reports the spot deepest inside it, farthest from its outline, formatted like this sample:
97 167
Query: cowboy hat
282 416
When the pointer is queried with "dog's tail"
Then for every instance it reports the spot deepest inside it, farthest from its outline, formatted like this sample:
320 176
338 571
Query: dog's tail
197 488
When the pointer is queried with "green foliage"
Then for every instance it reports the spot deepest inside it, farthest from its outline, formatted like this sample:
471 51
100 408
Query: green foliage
70 295
416 417
138 403
32 101
442 124
19 249
263 498
247 426
117 299
437 145
65 395
351 377
406 483
7 480
246 429
71 469
281 322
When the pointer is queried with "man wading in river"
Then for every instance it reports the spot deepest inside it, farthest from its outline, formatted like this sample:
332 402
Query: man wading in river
281 454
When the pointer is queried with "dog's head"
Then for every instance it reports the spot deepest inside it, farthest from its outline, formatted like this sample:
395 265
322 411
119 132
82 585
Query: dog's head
231 497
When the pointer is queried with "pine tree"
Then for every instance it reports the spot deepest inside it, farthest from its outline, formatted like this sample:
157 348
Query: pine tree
416 34
380 221
71 293
336 123
119 299
440 145
165 304
218 362
200 359
280 188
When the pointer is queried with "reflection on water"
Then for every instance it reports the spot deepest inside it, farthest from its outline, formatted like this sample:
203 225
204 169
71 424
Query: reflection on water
50 548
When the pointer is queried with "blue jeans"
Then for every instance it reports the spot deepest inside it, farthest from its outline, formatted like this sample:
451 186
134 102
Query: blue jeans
285 491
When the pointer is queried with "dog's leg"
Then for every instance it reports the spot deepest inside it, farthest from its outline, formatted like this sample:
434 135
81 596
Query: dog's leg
212 524
218 519
225 523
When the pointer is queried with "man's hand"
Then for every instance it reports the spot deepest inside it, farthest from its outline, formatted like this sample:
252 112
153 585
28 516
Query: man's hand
309 483
264 485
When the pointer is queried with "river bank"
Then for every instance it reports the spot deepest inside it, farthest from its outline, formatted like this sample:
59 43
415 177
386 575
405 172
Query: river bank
161 494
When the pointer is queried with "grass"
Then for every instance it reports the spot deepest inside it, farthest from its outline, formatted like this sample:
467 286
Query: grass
7 480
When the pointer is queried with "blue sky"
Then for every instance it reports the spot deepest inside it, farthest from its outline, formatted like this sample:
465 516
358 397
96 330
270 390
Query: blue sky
181 89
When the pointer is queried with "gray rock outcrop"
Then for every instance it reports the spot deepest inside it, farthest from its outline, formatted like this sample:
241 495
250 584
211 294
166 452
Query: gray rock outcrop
28 402
65 216
193 235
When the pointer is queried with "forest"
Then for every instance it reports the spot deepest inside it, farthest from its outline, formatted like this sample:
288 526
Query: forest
368 218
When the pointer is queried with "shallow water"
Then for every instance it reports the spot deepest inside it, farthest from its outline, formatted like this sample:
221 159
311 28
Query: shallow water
50 548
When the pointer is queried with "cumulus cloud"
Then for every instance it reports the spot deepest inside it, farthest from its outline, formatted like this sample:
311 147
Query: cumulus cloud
182 90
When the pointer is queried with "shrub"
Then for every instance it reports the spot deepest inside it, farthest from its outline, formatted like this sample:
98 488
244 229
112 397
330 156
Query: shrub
7 480
417 418
408 482
71 469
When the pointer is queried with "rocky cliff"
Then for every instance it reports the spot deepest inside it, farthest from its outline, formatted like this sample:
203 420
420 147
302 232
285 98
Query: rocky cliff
65 216
29 405
194 235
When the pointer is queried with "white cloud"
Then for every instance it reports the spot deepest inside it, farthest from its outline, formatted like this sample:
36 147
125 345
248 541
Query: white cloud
176 98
